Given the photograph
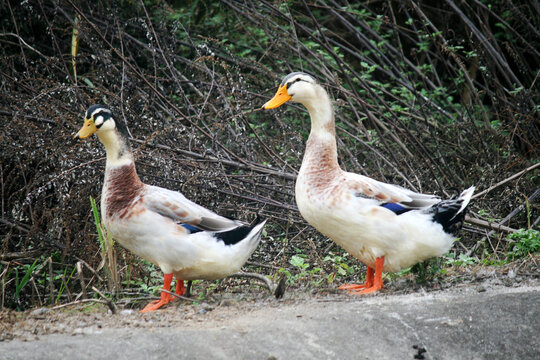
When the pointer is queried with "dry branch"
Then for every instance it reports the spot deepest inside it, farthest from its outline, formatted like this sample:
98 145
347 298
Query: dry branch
269 284
530 168
488 225
410 82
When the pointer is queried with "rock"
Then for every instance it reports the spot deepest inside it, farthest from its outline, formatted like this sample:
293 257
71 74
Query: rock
206 307
40 311
228 302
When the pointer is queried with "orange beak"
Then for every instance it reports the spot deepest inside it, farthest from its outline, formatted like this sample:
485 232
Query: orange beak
281 97
88 129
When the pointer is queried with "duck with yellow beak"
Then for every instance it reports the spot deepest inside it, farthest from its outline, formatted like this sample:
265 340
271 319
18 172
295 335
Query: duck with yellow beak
385 226
162 226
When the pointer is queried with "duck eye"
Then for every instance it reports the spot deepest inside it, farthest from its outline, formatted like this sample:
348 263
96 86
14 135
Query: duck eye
292 82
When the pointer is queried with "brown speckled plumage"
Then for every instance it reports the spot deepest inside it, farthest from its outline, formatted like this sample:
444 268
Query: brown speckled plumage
124 189
324 169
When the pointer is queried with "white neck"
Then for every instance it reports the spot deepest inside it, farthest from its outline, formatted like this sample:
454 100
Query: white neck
118 152
321 149
321 113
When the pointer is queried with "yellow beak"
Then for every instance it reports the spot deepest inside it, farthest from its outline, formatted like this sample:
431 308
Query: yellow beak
88 129
281 97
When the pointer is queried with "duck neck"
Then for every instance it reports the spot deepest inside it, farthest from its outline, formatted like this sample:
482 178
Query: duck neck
121 184
118 151
321 149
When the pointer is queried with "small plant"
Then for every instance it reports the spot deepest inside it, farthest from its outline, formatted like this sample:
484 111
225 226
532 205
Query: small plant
341 267
108 252
460 260
64 283
300 263
26 278
425 271
523 242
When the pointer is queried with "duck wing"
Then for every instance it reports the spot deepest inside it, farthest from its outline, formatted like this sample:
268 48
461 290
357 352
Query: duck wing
365 187
174 205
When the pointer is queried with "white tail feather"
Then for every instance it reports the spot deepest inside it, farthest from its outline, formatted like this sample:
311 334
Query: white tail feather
466 197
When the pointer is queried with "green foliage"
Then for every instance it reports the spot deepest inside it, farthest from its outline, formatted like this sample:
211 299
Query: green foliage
21 283
425 271
155 273
523 243
64 283
460 260
97 221
341 266
302 270
108 251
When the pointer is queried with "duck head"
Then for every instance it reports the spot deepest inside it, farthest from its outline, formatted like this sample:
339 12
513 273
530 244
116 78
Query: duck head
99 119
296 87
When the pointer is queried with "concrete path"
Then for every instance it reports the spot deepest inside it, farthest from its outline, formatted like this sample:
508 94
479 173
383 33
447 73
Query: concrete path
468 323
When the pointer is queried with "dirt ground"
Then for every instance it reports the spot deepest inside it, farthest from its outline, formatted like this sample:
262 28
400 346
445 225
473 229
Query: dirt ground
487 316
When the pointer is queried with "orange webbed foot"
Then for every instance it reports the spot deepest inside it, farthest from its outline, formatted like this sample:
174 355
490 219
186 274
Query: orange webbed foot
373 282
368 290
156 304
165 297
352 286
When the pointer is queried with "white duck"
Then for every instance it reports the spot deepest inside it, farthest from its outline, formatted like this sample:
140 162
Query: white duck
385 226
160 225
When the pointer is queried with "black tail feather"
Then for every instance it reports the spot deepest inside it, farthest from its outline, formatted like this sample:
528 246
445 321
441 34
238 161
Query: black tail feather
446 214
234 236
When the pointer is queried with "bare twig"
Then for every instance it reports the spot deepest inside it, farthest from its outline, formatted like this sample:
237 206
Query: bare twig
481 193
81 279
488 225
76 302
176 295
108 301
269 284
21 255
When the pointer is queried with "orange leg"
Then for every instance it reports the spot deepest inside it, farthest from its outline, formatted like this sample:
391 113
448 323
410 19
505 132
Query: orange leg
165 297
180 289
373 281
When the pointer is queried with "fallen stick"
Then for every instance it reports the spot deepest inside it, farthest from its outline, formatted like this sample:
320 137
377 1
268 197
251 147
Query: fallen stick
262 278
488 225
108 301
80 302
176 295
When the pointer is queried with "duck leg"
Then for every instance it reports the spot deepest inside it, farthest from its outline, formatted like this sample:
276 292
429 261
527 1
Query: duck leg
373 281
377 280
165 297
180 289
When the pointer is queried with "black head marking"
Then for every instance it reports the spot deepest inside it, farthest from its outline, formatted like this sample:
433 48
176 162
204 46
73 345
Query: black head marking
101 110
93 108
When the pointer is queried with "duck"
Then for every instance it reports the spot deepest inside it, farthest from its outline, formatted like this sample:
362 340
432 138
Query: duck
385 226
162 226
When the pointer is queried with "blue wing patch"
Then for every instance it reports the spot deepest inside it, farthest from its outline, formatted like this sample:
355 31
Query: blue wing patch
192 229
396 208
